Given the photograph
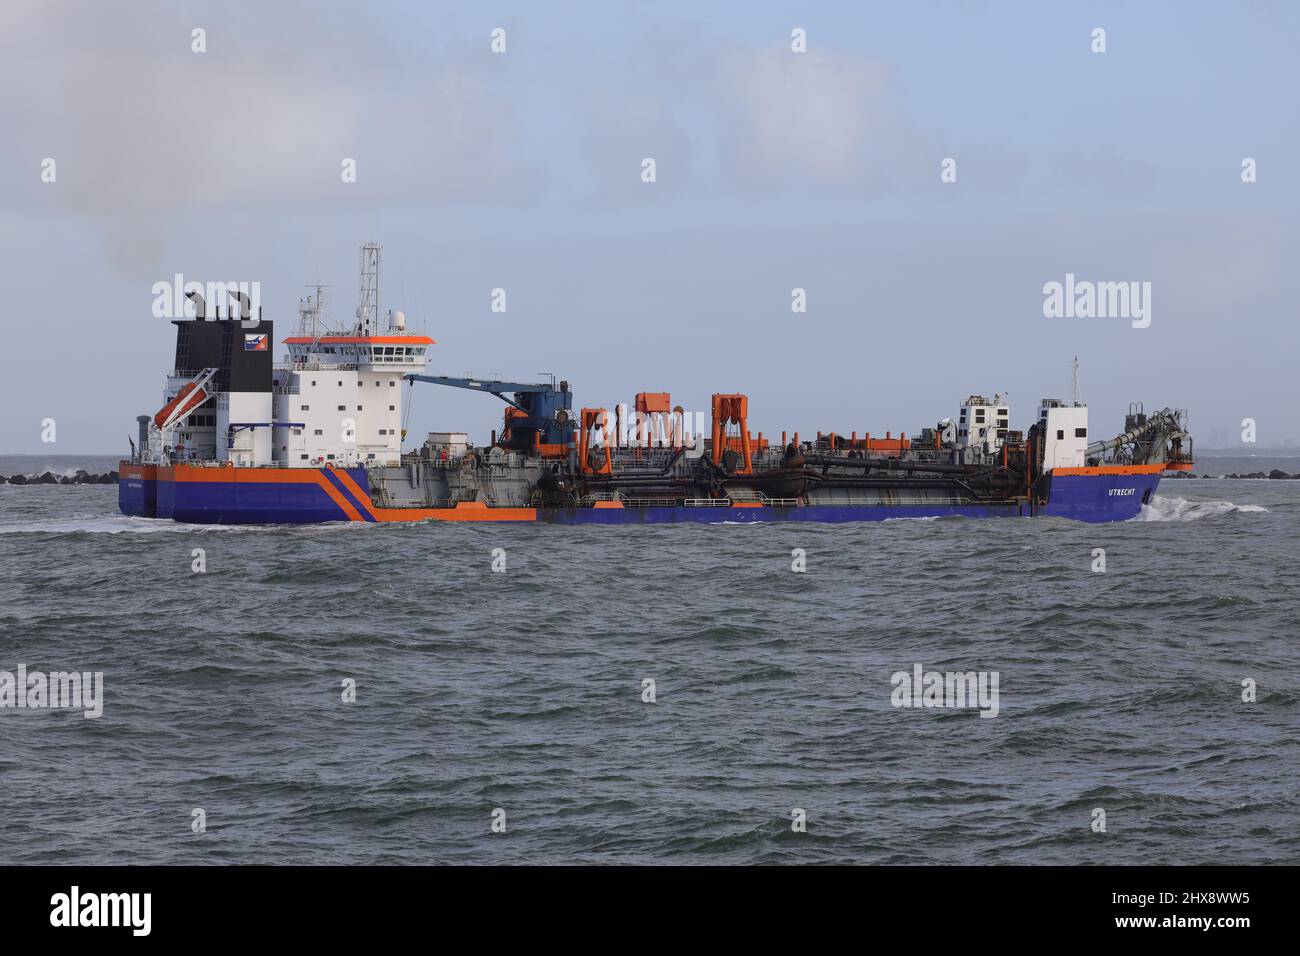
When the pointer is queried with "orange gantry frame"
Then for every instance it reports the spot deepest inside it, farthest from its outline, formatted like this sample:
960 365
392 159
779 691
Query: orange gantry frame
650 403
654 414
732 410
590 419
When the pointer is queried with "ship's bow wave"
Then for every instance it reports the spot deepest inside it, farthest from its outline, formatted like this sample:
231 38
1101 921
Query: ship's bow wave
1180 509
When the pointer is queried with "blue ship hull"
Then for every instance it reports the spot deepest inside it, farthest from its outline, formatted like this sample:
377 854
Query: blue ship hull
1099 498
315 495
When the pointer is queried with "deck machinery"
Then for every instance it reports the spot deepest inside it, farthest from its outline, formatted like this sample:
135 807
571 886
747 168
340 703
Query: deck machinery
651 460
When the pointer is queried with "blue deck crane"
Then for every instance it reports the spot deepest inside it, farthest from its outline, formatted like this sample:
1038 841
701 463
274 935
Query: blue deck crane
546 409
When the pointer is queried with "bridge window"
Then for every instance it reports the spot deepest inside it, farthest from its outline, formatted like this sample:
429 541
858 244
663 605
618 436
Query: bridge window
1081 433
1060 434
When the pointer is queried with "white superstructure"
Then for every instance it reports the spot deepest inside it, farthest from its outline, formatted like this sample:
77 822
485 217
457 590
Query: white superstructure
1064 429
247 419
983 423
338 398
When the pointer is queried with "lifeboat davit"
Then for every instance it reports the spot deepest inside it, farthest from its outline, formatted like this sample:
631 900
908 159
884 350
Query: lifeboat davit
187 399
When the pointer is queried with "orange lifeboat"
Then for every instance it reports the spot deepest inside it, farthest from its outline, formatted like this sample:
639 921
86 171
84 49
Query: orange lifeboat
187 399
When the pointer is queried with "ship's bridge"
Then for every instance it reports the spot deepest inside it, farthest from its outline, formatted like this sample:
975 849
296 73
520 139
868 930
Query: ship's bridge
374 353
338 397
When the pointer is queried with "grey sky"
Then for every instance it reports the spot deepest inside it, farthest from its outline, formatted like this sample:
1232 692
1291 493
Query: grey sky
775 170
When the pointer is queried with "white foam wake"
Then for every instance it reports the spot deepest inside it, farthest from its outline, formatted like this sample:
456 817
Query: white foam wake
108 524
1180 509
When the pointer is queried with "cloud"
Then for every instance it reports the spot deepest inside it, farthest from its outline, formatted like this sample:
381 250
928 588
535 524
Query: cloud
265 117
829 118
621 133
729 119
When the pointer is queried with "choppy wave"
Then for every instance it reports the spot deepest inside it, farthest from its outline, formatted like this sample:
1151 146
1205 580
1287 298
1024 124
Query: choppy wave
525 689
1180 509
126 524
117 524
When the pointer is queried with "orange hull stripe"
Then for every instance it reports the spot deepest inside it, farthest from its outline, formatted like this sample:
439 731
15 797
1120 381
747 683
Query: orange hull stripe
1113 470
455 514
350 483
260 476
337 496
288 476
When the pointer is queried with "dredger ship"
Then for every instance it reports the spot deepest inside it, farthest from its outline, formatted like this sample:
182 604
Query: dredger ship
318 437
